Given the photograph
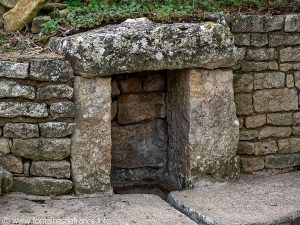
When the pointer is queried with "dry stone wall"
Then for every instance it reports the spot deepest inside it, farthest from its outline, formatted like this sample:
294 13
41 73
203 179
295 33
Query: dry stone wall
267 84
36 120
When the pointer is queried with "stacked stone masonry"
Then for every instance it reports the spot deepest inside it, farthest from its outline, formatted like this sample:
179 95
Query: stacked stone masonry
267 87
36 121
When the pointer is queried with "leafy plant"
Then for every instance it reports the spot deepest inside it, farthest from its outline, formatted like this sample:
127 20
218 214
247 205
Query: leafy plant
50 26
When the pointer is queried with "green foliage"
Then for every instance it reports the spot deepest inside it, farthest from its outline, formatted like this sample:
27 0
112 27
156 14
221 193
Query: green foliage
50 26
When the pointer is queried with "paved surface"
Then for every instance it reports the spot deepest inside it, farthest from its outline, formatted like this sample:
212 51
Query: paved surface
116 210
264 200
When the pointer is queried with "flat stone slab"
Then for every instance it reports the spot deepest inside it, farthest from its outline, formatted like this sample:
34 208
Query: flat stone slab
270 200
115 210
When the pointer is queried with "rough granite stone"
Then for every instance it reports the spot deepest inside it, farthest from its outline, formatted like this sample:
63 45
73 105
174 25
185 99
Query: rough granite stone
246 135
292 23
273 65
115 91
242 39
255 121
62 110
280 119
12 89
140 145
56 169
131 85
30 109
265 147
246 148
141 45
275 100
55 91
296 118
244 103
290 81
279 132
269 80
155 82
56 129
51 70
259 40
262 54
203 137
291 145
284 39
114 109
251 164
283 161
4 146
138 107
11 163
243 82
248 66
37 22
8 3
20 130
42 148
6 180
289 54
13 70
42 186
286 67
91 169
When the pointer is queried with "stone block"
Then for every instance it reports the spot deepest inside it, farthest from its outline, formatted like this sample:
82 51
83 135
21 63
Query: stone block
255 121
56 129
265 147
284 40
243 83
30 109
296 66
140 145
251 164
56 169
292 23
13 70
289 54
269 80
131 85
280 119
115 91
283 161
241 122
273 66
11 163
296 130
6 180
134 108
286 67
290 81
262 54
279 132
42 186
297 84
259 39
37 22
244 103
296 118
51 70
62 110
114 109
91 169
290 145
155 82
55 91
242 39
42 148
246 135
249 66
4 146
20 130
297 75
26 166
246 148
256 23
8 3
275 100
13 89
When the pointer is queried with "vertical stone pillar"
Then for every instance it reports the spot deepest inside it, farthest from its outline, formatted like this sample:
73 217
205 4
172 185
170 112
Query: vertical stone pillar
203 127
91 142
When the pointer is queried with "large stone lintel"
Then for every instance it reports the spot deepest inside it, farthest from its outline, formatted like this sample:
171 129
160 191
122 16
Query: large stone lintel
141 45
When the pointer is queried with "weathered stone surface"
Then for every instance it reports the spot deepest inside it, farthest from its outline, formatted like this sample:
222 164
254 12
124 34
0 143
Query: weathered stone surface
297 75
297 84
243 82
296 118
36 25
26 168
242 39
290 54
262 54
131 85
281 119
55 91
8 3
256 23
138 107
56 129
53 5
286 67
14 89
51 70
115 91
290 145
296 130
290 81
246 147
283 161
265 147
292 23
251 164
62 109
91 169
6 180
246 135
259 40
284 39
30 109
11 163
269 80
42 148
114 109
275 100
2 11
255 121
244 103
22 14
274 132
273 65
42 186
57 169
203 137
13 70
4 146
296 66
241 122
141 145
21 130
155 82
249 66
140 45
